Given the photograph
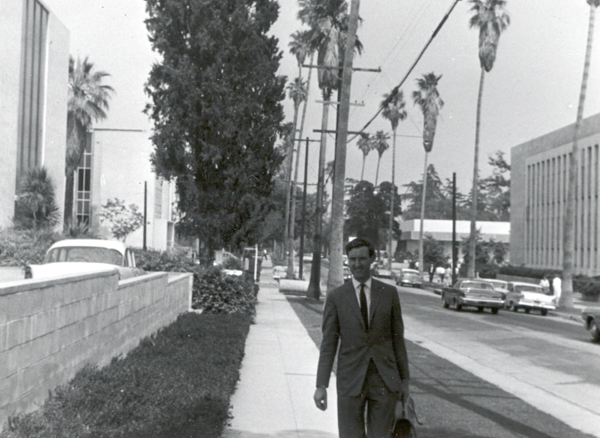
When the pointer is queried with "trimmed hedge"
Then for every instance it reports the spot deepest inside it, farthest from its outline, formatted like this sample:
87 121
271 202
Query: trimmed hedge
22 247
176 383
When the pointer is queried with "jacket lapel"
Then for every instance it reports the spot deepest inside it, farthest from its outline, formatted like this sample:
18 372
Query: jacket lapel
353 302
375 295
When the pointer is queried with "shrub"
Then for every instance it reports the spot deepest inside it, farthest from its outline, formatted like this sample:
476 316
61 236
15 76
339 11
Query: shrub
177 382
215 292
123 219
36 207
22 247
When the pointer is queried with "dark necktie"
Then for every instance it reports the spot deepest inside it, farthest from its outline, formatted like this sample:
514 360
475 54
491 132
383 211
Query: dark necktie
363 306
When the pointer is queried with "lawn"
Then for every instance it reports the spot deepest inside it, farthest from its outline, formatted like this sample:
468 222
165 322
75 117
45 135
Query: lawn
176 383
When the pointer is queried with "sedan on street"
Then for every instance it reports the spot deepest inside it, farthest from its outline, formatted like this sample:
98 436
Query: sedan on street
591 322
408 277
528 296
472 293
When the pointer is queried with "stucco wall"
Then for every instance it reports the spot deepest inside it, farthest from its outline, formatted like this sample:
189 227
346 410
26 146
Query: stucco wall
50 328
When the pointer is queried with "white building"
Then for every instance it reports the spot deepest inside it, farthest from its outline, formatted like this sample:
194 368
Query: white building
441 230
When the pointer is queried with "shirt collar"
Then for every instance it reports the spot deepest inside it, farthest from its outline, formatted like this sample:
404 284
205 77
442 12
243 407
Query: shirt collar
357 284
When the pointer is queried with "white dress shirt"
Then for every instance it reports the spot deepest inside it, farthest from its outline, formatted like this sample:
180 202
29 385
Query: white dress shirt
367 284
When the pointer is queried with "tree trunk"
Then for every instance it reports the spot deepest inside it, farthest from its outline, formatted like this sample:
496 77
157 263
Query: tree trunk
69 185
295 182
336 243
474 194
377 172
391 236
422 217
362 173
289 238
314 285
566 297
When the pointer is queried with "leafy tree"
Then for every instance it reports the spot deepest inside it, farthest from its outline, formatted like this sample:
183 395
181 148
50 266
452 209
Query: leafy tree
496 189
123 219
491 19
216 111
433 252
566 297
87 103
428 98
435 200
36 207
365 212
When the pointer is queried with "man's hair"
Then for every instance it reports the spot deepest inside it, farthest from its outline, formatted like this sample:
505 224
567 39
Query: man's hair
359 243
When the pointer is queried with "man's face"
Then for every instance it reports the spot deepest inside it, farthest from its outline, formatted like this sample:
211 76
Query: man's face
360 263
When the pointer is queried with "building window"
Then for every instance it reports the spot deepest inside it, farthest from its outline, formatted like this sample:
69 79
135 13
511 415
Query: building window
84 185
31 106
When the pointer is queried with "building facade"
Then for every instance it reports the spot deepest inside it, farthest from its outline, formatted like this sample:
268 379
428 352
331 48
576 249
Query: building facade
34 72
539 181
116 164
441 230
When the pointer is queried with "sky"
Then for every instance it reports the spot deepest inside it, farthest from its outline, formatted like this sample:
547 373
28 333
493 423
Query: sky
533 88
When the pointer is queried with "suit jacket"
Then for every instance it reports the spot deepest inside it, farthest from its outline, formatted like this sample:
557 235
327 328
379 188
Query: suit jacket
383 341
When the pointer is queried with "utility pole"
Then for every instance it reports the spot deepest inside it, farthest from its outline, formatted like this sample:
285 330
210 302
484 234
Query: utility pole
145 213
336 243
301 261
454 248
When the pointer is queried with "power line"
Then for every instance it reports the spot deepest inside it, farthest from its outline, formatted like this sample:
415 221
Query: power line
397 87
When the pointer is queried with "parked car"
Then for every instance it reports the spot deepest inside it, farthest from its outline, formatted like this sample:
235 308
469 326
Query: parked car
591 322
528 296
408 277
499 285
473 293
74 256
380 271
347 274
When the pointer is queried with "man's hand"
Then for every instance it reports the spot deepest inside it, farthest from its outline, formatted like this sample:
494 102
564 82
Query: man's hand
320 397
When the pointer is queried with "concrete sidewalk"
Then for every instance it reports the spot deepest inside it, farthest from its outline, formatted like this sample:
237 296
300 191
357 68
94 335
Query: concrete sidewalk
274 396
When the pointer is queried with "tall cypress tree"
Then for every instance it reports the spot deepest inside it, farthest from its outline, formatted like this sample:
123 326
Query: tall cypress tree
216 108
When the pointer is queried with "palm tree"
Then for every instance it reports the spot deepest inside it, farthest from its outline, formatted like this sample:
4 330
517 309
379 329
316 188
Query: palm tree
365 144
88 103
297 92
428 98
327 21
36 205
299 47
393 109
491 19
566 297
381 145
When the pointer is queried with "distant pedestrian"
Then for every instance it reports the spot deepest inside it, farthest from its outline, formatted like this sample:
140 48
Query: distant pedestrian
545 284
431 272
265 254
440 271
557 288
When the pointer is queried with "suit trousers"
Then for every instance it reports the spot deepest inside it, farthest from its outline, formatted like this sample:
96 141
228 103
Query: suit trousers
379 403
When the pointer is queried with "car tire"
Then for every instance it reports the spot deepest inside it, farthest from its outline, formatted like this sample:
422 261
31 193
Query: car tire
526 310
458 307
594 331
480 309
544 312
494 310
445 304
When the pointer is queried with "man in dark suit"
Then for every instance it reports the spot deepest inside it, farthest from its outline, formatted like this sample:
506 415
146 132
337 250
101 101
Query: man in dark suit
364 317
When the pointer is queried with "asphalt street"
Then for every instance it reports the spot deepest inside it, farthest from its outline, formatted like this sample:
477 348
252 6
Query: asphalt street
481 375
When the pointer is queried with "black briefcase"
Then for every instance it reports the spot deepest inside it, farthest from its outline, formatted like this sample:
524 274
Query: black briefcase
405 425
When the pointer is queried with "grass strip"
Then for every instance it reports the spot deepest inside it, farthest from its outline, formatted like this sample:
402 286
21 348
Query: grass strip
177 382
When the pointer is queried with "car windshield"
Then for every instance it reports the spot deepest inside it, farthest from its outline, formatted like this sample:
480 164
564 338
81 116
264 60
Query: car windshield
476 285
84 254
529 288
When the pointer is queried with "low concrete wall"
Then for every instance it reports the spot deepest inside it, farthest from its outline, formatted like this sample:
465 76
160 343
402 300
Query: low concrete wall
50 328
